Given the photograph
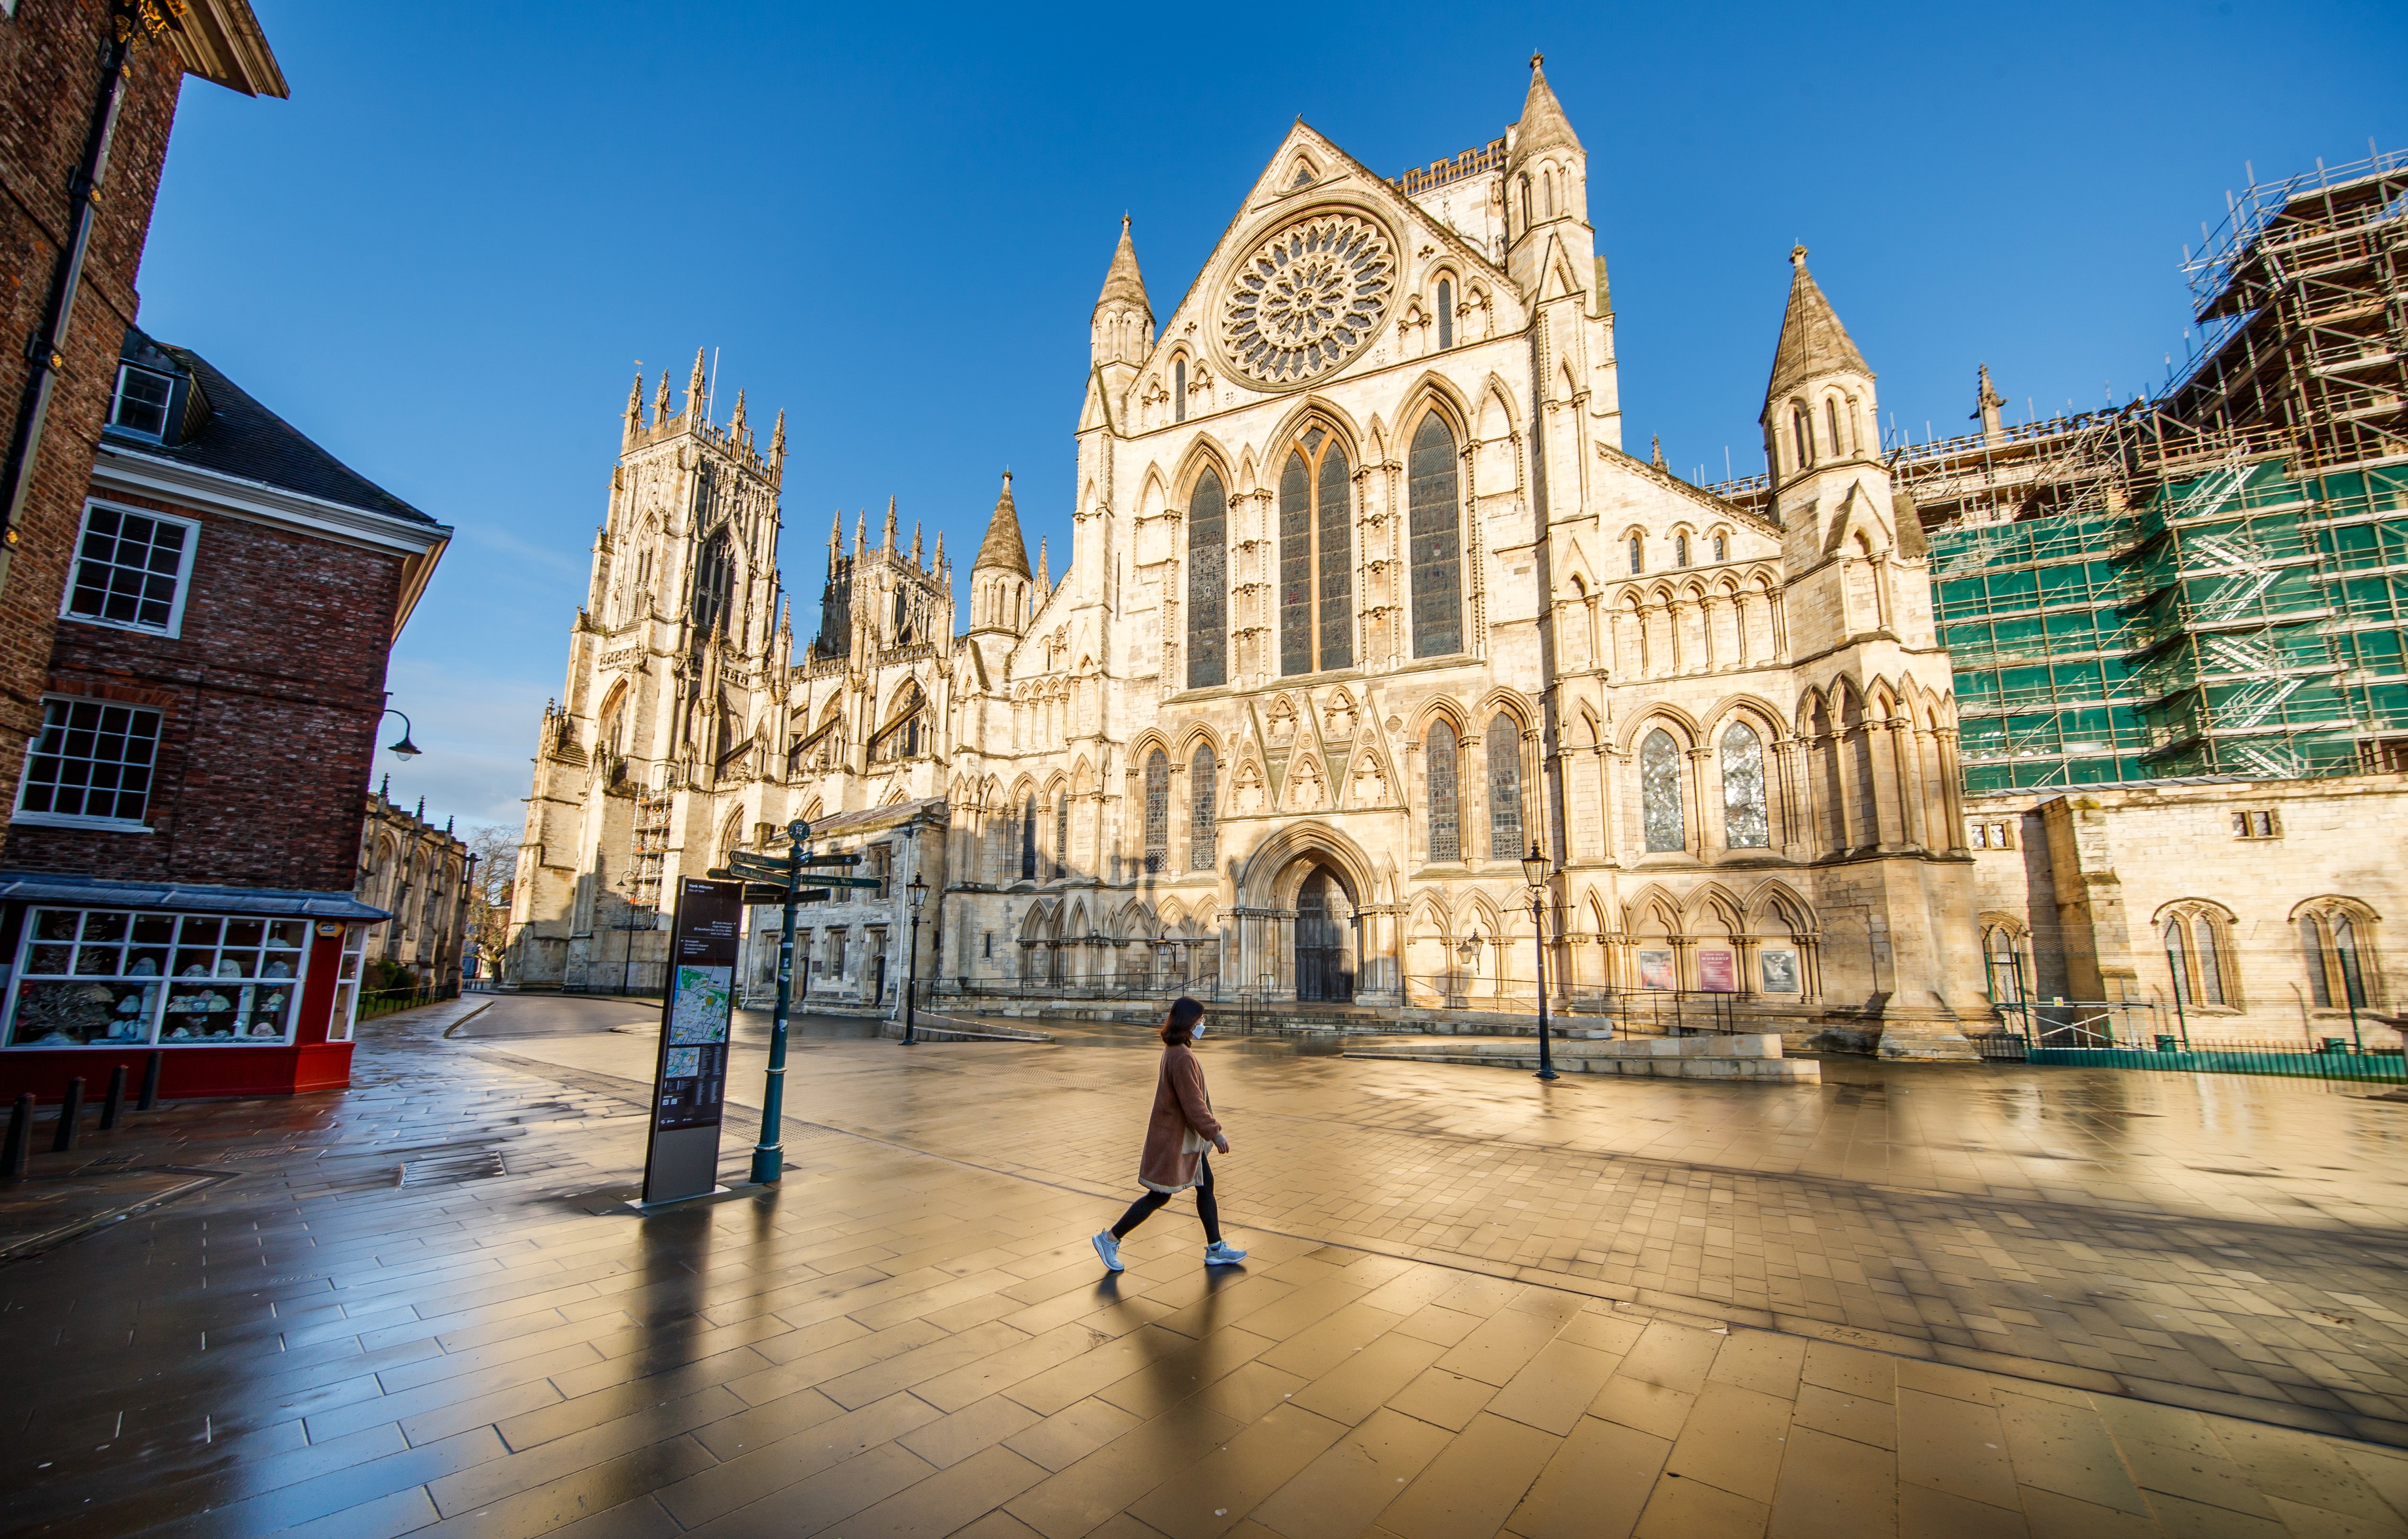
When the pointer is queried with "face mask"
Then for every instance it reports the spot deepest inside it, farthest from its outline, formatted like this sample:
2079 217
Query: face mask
1198 1034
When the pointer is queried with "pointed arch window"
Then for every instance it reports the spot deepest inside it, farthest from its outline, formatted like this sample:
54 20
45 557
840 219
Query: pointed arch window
1437 549
1445 313
1722 548
1659 793
1179 390
714 583
1316 561
2333 940
1831 420
1445 823
1203 809
1638 555
907 733
1803 426
1747 823
1061 834
2004 965
1157 811
1504 788
1208 583
1029 839
1547 187
1681 549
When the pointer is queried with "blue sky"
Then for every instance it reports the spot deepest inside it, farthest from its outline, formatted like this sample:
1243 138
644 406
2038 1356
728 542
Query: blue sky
443 256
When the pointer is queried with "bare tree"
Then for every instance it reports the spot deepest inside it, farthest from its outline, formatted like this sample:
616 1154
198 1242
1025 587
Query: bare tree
496 852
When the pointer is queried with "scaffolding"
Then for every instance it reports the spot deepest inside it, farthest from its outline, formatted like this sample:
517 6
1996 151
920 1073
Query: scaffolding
2212 581
648 850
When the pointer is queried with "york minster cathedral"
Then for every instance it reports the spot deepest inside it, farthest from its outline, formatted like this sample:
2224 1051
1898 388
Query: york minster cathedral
1365 602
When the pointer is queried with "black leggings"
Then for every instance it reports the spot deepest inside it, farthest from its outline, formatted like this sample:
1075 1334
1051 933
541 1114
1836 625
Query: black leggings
1146 1206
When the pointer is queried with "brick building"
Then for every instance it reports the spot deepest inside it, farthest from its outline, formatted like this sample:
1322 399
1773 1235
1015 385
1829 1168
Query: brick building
191 810
88 91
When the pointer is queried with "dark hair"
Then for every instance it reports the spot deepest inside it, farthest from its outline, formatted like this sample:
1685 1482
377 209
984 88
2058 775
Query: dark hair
1179 1026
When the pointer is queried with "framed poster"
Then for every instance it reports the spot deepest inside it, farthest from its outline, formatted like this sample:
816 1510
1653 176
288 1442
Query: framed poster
1779 964
1656 970
690 1081
1718 971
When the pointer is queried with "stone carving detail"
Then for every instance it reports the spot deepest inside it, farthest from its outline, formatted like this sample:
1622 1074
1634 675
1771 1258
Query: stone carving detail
1308 299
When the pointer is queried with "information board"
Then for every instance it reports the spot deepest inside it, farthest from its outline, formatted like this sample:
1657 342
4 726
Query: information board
690 1078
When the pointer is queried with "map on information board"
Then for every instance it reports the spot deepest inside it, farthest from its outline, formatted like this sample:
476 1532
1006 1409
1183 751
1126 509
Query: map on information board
698 1009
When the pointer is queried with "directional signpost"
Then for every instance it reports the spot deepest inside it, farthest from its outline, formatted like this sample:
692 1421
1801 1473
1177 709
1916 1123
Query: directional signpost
769 881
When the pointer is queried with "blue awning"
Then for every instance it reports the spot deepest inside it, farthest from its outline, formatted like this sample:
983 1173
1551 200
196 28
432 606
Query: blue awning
183 897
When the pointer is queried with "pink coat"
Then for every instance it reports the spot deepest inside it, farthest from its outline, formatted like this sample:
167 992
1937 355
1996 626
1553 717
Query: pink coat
1180 1103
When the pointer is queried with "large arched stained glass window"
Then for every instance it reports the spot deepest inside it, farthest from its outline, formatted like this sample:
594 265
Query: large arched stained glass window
1445 824
1504 788
1437 541
1747 823
1208 583
1157 810
714 584
1203 809
1659 792
1316 565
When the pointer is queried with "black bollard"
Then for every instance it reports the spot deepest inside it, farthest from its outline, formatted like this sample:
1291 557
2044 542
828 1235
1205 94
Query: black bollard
70 1113
150 1101
21 1137
112 1105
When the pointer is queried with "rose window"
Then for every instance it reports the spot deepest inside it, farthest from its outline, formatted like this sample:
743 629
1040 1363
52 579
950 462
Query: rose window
1308 299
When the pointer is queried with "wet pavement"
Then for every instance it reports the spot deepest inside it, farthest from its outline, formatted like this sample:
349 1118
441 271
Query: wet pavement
1991 1299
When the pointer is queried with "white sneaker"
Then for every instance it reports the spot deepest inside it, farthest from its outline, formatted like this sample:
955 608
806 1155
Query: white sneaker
1109 1249
1220 1253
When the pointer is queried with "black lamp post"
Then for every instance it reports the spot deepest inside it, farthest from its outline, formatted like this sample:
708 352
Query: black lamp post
405 749
918 888
1534 871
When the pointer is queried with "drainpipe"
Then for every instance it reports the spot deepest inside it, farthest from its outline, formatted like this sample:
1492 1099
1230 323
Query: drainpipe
46 350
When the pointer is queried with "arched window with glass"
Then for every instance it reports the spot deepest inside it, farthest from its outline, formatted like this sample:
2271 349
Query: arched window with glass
1504 788
1061 834
2004 964
1179 390
1203 809
1316 530
1157 811
1028 838
1747 816
1445 313
1445 821
1436 539
1722 548
714 584
1638 555
1831 418
1681 549
1208 583
1803 428
2336 943
1659 793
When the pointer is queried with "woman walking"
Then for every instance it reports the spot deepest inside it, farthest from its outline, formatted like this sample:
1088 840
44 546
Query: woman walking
1177 1133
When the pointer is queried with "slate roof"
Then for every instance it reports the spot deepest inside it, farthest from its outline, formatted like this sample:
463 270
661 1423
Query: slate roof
245 439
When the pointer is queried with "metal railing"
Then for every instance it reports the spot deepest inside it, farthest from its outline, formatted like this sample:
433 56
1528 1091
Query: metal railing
386 1002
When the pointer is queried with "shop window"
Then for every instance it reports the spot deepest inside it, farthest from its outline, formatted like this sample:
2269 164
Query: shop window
130 570
91 767
347 984
110 977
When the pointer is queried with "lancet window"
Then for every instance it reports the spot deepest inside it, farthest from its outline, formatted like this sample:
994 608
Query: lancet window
1029 839
1316 556
1446 823
1445 314
714 581
1747 823
1659 792
1157 811
1203 809
1179 390
1208 583
1504 788
1437 541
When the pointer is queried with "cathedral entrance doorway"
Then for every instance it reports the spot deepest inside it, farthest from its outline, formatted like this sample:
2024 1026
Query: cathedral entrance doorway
1324 940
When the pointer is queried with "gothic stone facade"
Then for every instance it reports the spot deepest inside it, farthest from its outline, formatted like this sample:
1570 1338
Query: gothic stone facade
1363 599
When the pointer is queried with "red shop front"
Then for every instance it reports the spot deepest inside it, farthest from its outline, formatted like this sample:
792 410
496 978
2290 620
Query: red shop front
241 991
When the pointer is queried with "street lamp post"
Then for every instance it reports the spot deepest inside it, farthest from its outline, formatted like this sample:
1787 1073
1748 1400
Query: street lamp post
405 749
918 888
1534 871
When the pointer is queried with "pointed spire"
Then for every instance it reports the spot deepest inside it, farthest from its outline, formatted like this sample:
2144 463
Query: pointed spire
1044 571
860 532
778 439
696 387
888 542
1543 125
915 545
661 401
1123 283
941 550
1657 456
1813 341
786 617
1003 547
736 424
420 814
384 790
635 404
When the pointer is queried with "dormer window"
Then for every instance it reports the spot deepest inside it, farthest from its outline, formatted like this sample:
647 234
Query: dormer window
140 404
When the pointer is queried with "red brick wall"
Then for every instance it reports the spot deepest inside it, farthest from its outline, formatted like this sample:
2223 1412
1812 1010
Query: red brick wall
269 702
49 72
